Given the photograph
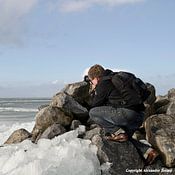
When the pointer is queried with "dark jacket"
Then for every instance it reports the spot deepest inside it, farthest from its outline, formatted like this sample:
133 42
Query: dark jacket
107 94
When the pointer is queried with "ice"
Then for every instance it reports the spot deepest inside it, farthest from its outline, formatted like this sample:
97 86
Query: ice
63 155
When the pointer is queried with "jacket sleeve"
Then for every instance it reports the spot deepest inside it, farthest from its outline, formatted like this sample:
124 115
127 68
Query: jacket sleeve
102 92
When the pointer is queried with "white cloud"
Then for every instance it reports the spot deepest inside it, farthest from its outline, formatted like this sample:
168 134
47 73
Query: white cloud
81 5
74 6
11 16
55 82
13 13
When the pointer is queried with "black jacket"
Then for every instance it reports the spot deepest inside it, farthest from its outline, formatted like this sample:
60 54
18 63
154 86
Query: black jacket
107 94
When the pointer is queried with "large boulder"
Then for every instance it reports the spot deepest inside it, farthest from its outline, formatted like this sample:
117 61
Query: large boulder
160 132
18 136
79 91
69 104
122 156
48 116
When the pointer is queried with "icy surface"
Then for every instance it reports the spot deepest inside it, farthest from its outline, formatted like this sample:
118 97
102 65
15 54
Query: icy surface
63 155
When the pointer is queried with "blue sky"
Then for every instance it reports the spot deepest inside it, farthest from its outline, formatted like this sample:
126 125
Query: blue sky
45 44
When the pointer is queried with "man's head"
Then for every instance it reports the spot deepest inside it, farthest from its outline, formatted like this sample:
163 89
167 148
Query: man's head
95 73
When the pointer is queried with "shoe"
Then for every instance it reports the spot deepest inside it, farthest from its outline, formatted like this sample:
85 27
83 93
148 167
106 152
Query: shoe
122 137
152 155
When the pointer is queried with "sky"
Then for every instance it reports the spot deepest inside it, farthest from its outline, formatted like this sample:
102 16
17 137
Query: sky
46 44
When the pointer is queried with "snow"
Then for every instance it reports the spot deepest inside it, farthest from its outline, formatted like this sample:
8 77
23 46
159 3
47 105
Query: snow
63 155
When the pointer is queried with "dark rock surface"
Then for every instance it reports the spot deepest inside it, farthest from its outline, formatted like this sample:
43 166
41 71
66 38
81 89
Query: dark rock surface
52 131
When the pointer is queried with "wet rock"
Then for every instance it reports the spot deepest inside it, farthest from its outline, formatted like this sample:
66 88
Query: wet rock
48 116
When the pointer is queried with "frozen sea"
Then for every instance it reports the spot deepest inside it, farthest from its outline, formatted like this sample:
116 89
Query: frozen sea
63 155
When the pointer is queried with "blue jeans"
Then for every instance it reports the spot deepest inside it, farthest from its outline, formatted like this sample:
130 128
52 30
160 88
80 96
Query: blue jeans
112 119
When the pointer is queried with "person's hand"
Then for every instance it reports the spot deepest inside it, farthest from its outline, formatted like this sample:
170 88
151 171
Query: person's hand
93 86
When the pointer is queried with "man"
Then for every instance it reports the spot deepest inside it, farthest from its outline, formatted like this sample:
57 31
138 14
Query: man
119 120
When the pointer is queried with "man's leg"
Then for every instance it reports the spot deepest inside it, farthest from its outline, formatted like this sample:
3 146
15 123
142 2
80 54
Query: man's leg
104 116
112 119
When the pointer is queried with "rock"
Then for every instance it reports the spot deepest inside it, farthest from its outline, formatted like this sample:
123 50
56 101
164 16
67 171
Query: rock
152 97
52 131
75 124
95 131
161 101
139 134
162 109
171 108
149 110
18 136
160 133
123 157
161 104
94 125
42 106
171 94
79 91
48 116
98 141
69 104
158 169
149 102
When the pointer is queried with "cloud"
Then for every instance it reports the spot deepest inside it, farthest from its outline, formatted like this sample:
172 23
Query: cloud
11 18
13 13
81 5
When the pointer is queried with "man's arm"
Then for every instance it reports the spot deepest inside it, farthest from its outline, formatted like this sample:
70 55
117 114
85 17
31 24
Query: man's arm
102 92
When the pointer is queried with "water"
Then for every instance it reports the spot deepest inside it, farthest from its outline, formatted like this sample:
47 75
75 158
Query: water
20 109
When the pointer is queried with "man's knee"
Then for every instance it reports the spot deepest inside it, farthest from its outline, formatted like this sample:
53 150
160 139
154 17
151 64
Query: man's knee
93 114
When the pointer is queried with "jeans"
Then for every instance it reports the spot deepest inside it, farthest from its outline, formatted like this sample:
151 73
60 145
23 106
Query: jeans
112 119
